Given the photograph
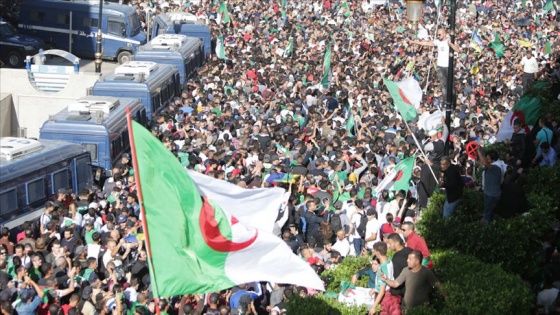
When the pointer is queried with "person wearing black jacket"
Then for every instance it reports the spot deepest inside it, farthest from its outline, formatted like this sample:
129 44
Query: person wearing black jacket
453 184
521 147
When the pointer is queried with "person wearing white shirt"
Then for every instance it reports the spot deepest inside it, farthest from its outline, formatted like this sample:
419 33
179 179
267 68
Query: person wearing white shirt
443 44
342 245
372 229
530 67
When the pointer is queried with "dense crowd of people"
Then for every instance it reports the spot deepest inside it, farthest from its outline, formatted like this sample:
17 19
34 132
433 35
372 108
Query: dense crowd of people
263 117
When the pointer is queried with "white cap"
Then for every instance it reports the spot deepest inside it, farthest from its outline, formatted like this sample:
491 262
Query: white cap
432 133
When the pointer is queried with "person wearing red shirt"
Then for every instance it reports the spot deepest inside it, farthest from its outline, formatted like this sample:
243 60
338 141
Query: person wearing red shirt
415 241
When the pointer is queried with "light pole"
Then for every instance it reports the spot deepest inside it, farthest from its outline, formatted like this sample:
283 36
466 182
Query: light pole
450 101
98 48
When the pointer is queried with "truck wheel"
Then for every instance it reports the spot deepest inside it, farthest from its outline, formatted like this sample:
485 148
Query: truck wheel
14 59
124 56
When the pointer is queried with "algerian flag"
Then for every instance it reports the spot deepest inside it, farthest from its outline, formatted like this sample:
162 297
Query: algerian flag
290 49
407 95
198 245
548 6
221 48
325 82
429 121
399 177
350 124
223 14
546 48
527 110
346 9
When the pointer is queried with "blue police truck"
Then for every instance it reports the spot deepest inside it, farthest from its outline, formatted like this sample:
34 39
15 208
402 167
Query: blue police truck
186 54
99 124
72 25
32 172
185 24
155 85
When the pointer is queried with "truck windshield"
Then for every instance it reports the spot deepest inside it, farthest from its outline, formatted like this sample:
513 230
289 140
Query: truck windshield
134 24
6 29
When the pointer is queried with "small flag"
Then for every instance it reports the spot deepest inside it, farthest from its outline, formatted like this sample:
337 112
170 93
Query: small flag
407 95
497 46
325 82
548 6
547 49
200 246
476 42
527 110
524 43
221 48
223 14
290 49
345 9
399 177
350 124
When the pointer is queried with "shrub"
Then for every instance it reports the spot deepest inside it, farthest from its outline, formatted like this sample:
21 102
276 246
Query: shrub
344 272
473 287
510 243
319 304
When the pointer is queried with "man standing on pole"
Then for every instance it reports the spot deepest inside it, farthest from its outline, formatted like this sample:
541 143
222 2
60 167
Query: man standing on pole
442 43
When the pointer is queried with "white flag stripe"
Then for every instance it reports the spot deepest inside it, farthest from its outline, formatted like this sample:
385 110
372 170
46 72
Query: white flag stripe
255 207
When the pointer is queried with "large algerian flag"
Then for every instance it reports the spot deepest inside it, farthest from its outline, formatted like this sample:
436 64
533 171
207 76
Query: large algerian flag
199 246
527 110
407 95
399 177
221 48
326 67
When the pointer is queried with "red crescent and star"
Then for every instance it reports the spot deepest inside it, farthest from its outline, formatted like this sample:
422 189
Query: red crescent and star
213 236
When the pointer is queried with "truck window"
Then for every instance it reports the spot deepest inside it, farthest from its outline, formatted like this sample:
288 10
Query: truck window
125 139
37 16
117 146
8 201
36 190
63 19
92 149
83 172
116 28
89 22
60 179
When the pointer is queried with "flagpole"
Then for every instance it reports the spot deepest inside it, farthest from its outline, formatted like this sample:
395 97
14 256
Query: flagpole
421 151
153 281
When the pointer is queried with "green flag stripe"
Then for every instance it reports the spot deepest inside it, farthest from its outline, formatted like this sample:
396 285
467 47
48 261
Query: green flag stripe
182 261
407 111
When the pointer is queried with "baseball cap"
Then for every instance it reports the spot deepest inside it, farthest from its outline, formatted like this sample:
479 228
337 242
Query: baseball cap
86 292
125 155
130 223
122 219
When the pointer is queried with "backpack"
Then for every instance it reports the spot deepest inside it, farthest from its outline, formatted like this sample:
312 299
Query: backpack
361 229
336 223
